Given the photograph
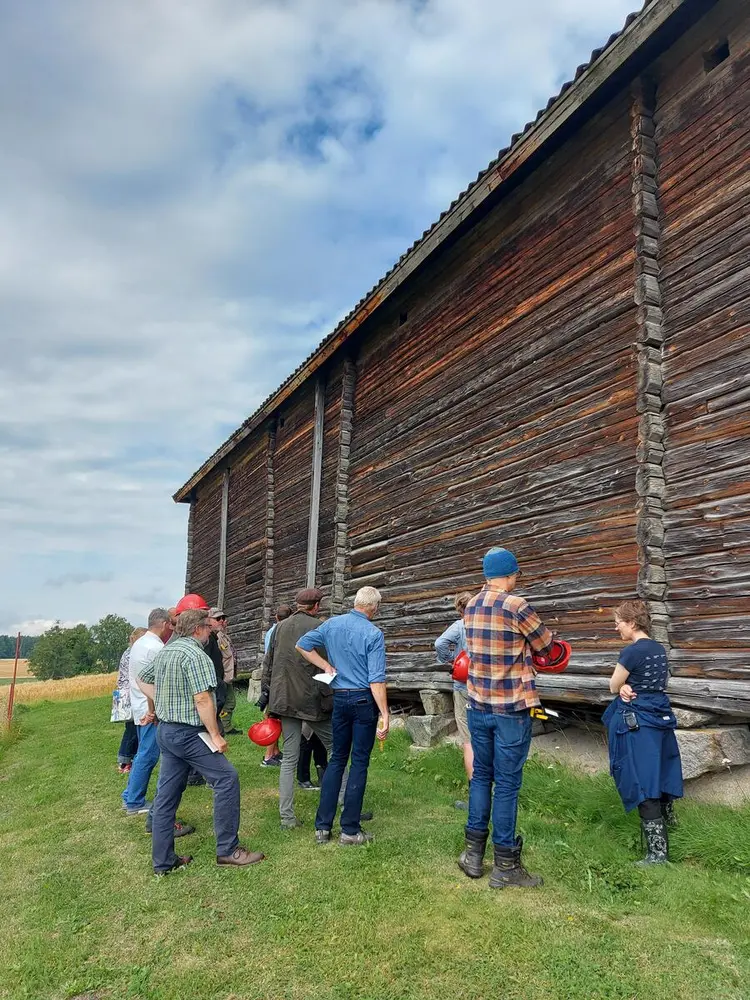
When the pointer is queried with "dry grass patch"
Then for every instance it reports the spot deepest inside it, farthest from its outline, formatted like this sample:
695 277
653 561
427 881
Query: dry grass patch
6 668
69 689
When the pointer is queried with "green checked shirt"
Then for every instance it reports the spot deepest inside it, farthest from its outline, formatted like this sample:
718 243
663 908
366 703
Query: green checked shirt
179 671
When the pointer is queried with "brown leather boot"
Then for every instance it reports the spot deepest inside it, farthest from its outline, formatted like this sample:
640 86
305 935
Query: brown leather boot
508 869
241 858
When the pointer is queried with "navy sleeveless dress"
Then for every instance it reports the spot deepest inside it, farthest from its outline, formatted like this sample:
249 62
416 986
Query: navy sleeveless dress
645 763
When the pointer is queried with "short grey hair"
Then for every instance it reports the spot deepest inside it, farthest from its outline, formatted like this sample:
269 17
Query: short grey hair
189 621
367 597
158 617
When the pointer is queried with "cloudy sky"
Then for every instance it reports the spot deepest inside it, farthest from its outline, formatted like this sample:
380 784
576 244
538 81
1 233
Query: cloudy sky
192 193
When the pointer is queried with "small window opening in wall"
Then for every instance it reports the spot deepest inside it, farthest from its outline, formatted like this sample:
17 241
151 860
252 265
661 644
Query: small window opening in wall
402 318
716 56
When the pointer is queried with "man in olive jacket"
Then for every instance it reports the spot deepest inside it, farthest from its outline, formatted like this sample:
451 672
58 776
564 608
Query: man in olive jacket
294 697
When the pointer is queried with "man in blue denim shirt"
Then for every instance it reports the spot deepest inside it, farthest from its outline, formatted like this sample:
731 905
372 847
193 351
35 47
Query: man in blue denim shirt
356 650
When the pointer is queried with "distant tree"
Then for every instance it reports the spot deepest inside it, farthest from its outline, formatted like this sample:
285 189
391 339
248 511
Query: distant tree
63 652
110 637
27 644
8 646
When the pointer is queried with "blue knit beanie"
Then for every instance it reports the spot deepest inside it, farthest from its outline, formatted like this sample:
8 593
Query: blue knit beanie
499 562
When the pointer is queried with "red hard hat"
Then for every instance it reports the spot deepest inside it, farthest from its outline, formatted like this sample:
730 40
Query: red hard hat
191 602
555 660
265 733
461 666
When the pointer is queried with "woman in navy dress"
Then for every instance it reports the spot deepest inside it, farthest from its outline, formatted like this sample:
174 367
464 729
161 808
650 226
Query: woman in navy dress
643 754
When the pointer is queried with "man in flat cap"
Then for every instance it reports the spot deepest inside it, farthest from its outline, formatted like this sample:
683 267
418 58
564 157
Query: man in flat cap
218 619
293 696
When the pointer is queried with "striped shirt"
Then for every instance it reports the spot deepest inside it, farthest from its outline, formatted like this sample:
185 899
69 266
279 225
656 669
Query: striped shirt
502 630
180 671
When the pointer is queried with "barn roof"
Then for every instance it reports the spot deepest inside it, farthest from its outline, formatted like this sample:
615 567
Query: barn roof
643 35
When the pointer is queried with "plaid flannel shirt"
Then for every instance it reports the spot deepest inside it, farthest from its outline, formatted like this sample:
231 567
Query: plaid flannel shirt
180 671
501 632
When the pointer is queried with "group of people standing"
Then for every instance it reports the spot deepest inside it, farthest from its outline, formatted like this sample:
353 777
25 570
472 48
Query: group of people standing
325 680
500 631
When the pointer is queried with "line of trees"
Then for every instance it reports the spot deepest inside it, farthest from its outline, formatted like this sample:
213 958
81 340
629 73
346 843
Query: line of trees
67 652
8 646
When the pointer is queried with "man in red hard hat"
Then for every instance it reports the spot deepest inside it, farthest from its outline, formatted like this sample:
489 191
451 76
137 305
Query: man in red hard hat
502 631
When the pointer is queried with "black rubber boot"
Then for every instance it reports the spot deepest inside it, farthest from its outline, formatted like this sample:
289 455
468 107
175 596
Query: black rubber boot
472 857
668 813
508 869
657 846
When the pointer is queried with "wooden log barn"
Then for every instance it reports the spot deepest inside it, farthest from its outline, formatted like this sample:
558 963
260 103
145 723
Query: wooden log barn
560 365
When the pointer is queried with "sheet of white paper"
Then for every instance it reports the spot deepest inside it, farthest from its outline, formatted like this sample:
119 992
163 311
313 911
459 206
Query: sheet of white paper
324 678
209 742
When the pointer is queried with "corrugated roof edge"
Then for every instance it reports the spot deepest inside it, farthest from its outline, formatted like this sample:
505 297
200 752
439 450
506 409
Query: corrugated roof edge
651 17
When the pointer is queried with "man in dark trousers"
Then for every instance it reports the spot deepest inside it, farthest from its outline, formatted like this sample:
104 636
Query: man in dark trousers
179 683
294 697
502 630
356 651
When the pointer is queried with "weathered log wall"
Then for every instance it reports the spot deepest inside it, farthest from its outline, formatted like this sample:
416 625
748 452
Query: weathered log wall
246 547
502 411
292 465
206 524
570 378
327 512
703 136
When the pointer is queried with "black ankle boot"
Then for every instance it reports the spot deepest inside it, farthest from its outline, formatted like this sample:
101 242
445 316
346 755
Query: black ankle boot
472 857
657 846
508 869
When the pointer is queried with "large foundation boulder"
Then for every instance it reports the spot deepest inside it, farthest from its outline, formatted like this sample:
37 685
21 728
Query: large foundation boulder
708 750
688 718
436 702
429 730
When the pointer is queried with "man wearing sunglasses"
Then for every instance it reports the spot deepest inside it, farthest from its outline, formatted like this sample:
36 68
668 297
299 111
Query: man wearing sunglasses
218 621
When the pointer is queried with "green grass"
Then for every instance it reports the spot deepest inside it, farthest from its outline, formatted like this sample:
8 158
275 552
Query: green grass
84 917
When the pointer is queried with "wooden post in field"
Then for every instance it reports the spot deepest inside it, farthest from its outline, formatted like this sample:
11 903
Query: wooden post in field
12 692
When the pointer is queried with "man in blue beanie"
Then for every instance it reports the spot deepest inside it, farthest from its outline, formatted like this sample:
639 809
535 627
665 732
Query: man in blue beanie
502 630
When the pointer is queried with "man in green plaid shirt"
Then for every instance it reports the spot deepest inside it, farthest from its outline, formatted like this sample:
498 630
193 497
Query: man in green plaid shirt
179 683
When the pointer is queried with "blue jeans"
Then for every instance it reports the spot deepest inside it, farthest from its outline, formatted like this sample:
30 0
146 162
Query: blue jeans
181 750
501 746
128 743
144 762
354 724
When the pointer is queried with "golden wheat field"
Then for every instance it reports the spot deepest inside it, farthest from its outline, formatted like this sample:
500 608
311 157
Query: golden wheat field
69 689
6 668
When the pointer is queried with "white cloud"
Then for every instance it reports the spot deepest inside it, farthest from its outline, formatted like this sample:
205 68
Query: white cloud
193 193
38 626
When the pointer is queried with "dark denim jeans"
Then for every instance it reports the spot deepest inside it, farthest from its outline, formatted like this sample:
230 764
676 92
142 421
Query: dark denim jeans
144 763
128 743
501 746
182 749
354 723
309 749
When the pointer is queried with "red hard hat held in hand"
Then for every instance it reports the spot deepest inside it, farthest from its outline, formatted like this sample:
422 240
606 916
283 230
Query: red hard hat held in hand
265 733
461 666
191 602
555 660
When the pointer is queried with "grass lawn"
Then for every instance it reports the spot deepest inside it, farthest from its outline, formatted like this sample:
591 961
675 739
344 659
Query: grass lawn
84 917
